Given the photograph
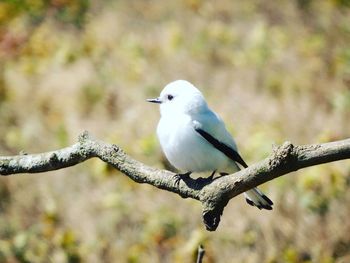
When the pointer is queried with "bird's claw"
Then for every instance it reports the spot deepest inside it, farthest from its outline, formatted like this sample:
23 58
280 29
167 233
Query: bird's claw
212 175
206 180
179 177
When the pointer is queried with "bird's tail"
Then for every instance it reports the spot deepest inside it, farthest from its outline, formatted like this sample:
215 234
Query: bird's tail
255 197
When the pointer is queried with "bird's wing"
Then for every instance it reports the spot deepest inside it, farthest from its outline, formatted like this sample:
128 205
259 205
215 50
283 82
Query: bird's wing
213 130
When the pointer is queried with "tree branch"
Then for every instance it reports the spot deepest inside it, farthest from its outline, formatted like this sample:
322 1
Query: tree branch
213 194
200 254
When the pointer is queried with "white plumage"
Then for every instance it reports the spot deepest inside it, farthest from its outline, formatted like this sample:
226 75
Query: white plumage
184 113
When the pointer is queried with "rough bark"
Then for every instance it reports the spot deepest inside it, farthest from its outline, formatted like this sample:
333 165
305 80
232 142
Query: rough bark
213 194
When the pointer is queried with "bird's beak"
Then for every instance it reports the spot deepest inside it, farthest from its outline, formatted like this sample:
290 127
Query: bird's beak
156 100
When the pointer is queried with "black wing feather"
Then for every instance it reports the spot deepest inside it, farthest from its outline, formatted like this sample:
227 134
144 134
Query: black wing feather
222 147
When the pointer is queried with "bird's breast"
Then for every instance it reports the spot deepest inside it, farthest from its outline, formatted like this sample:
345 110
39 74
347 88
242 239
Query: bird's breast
185 148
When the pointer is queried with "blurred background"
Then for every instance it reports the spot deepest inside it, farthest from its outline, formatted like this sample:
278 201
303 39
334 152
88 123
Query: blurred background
274 70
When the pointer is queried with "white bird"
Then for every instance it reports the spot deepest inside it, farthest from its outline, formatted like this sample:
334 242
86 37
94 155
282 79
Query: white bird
195 139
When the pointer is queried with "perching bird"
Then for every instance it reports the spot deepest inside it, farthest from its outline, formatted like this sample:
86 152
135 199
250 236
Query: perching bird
194 138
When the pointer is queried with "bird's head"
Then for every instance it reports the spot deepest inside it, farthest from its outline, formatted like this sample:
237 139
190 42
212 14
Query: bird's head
180 96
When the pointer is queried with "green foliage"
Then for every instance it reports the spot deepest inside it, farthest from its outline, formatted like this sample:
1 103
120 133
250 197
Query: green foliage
66 11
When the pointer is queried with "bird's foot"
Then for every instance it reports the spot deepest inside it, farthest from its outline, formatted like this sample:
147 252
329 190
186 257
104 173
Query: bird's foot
206 180
179 177
212 175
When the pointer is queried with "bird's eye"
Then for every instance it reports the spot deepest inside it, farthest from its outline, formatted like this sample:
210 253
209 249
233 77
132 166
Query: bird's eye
170 97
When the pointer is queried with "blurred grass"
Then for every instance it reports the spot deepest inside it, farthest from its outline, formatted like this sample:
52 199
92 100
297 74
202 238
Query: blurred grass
274 71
